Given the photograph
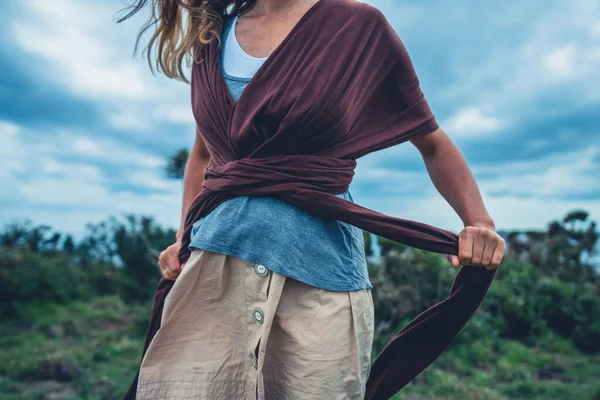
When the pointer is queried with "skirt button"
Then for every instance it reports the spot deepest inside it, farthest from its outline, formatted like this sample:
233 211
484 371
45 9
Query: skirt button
261 270
258 315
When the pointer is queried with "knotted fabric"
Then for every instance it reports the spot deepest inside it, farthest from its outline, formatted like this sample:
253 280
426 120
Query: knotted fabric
341 85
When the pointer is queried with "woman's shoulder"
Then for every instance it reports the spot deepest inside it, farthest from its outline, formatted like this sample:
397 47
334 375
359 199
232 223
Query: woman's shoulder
360 6
358 11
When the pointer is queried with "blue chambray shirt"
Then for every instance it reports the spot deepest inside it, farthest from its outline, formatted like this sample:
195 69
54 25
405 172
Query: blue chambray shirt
324 253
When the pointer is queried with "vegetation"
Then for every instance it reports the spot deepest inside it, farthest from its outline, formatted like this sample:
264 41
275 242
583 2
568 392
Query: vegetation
74 313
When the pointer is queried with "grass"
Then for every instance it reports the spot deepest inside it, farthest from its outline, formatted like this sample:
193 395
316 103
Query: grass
90 350
503 370
81 351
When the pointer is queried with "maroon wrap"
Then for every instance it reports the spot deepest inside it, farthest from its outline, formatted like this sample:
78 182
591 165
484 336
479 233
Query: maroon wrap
341 85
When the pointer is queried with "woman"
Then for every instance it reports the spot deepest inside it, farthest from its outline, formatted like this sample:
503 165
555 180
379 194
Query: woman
274 301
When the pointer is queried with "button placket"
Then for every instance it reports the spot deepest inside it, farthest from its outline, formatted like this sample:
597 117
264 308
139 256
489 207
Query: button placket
257 283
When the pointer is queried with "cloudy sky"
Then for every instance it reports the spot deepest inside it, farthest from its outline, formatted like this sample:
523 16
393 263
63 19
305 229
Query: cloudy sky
85 128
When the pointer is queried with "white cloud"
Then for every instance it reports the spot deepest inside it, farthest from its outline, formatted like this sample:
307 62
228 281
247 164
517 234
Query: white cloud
47 184
65 35
8 130
130 119
175 114
83 48
56 169
9 145
23 147
79 46
9 135
560 63
77 143
596 30
86 146
89 203
555 52
553 176
151 179
535 213
523 194
508 212
471 122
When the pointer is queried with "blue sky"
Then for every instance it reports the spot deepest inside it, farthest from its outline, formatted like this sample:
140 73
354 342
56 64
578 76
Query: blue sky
85 128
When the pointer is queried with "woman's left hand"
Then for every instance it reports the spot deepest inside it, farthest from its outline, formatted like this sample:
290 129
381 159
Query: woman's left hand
479 246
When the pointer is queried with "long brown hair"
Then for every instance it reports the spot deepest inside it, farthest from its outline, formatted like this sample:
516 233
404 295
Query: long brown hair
173 40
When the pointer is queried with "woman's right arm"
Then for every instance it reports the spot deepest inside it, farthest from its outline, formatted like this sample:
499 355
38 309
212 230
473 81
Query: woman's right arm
193 177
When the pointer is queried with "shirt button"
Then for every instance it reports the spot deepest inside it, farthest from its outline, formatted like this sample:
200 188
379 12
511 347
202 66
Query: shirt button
258 315
261 270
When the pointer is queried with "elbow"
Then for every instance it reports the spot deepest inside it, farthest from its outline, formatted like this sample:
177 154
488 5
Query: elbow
430 144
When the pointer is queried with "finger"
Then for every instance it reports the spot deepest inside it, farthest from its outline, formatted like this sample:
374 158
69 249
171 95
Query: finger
488 252
173 262
498 255
454 260
162 260
169 274
165 270
161 265
465 246
480 238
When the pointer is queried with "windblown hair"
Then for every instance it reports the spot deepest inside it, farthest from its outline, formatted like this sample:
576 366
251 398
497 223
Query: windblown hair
176 37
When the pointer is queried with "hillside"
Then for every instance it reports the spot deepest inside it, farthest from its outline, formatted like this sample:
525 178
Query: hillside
74 314
89 350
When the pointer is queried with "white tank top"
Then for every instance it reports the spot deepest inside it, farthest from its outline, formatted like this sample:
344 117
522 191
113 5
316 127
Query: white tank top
236 61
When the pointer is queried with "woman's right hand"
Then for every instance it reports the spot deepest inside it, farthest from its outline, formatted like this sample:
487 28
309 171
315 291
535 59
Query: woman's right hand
168 261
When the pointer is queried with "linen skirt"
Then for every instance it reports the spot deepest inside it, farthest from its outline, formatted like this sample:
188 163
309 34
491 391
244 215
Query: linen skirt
233 329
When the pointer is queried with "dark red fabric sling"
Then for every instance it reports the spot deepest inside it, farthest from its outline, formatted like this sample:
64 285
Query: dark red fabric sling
341 85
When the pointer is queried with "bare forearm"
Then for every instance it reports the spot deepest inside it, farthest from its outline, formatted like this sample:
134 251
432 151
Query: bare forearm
192 184
454 180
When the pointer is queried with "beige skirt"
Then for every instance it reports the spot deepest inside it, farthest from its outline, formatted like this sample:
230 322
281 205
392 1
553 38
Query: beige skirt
233 329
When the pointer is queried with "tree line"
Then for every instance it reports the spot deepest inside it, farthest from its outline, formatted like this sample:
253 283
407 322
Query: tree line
547 281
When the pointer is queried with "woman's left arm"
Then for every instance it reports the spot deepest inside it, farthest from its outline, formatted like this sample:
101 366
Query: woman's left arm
479 244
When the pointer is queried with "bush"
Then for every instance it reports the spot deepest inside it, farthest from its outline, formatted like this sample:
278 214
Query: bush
523 303
27 277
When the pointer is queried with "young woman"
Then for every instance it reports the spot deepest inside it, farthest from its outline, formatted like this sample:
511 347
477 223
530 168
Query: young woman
274 301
